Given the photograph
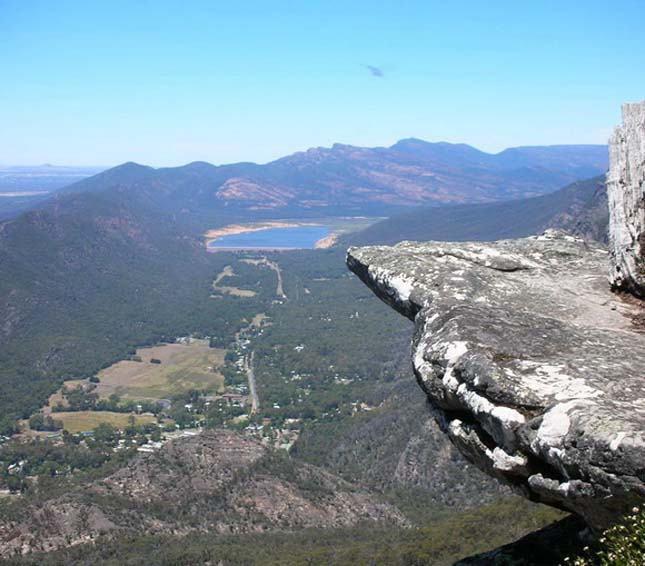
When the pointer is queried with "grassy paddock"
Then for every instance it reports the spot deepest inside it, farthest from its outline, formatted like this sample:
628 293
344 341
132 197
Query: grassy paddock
182 367
226 289
80 421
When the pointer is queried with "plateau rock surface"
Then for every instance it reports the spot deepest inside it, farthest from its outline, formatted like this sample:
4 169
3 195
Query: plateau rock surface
531 365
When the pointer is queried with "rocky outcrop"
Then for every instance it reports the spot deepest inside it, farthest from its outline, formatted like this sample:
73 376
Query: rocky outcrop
218 481
626 192
531 365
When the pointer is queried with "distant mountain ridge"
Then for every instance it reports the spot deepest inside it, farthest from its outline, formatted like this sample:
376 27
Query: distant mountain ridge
23 187
580 208
347 179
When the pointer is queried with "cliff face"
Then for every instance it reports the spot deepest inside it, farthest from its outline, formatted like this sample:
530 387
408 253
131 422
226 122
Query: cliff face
532 367
626 192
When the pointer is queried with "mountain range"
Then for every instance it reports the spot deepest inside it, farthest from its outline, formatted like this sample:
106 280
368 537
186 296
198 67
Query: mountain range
345 179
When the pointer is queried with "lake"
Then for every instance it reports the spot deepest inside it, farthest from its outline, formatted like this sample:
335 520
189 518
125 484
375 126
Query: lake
292 237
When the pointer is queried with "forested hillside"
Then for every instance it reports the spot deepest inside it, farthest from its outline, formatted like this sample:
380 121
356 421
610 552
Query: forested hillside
85 280
580 208
439 543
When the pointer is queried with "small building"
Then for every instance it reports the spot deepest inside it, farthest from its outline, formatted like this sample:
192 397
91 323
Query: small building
234 399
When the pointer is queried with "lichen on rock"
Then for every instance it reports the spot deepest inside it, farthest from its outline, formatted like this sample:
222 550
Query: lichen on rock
531 365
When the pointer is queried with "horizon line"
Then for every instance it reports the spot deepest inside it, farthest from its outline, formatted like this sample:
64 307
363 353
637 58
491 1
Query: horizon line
318 147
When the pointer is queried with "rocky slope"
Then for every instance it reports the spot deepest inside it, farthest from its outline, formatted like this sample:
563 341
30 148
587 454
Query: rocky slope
626 189
216 482
533 368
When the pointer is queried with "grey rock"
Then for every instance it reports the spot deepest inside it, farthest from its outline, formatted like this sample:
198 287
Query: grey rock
626 192
545 547
531 365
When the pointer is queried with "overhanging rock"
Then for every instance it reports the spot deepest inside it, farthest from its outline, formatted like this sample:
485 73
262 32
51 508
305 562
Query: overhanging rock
534 369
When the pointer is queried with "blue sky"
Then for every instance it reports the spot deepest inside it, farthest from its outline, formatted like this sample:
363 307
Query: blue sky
165 83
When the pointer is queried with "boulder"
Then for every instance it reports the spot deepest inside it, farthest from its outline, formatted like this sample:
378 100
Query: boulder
626 194
531 365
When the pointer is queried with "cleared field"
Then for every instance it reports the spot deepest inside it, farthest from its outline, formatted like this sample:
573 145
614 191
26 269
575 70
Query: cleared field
235 291
182 367
260 320
81 421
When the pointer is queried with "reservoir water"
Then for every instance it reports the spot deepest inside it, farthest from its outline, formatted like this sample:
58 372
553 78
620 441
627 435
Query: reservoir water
292 237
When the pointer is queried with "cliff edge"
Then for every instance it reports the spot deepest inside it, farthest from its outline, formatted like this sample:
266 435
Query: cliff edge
531 365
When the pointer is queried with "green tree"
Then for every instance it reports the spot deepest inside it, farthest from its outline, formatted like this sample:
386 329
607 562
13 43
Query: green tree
37 421
105 432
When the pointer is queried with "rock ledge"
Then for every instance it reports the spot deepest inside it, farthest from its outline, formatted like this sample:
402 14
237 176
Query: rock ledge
531 365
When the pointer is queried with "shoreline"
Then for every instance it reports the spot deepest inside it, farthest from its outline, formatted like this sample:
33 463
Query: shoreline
336 226
253 248
232 229
327 242
322 244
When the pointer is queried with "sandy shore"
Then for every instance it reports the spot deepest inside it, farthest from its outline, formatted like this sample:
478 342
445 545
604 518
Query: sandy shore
326 242
217 233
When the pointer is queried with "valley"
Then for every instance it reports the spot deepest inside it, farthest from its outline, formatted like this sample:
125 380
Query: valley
322 283
337 404
280 353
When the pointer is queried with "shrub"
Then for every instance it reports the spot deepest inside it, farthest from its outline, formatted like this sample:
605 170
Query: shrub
621 545
41 422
